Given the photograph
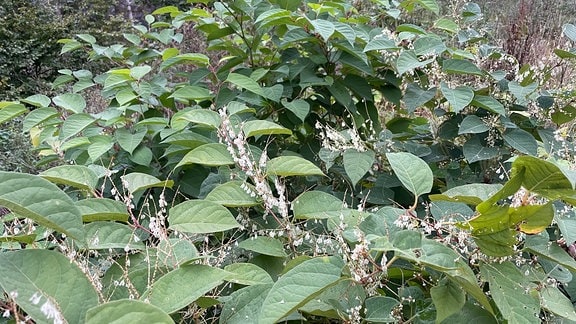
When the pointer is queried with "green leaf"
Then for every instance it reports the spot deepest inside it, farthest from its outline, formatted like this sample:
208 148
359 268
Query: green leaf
428 45
136 181
26 239
75 124
181 287
271 16
357 164
299 285
203 117
415 97
174 252
570 31
247 274
195 93
167 10
412 171
497 244
447 24
466 278
126 311
245 82
561 115
87 38
286 166
324 28
299 107
110 235
188 58
77 176
70 101
489 104
437 255
75 142
532 219
522 93
264 245
567 227
408 61
511 293
448 299
541 176
128 140
543 248
187 139
380 44
9 110
379 309
138 72
142 155
46 285
430 5
346 31
334 300
244 304
102 209
553 300
233 194
474 151
263 127
317 205
471 194
99 146
472 124
200 216
458 98
212 154
37 100
458 66
471 313
565 54
37 116
521 140
36 198
69 45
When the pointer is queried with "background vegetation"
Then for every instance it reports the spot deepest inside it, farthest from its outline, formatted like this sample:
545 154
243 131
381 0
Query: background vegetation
289 161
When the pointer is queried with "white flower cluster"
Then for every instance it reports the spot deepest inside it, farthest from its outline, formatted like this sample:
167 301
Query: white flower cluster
49 309
337 141
240 151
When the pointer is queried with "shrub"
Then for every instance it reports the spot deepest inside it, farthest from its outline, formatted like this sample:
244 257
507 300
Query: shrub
328 167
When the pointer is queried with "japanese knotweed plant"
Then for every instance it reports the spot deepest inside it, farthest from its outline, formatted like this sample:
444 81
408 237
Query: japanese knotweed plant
314 163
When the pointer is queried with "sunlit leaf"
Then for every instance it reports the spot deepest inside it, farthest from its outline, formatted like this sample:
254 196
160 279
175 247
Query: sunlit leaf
212 154
413 172
136 181
126 311
200 216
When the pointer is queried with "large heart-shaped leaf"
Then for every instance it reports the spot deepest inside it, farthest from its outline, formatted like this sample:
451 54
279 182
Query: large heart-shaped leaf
412 171
182 286
47 286
201 216
126 311
42 201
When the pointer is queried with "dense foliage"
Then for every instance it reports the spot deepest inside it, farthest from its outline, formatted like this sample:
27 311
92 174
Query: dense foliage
320 164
